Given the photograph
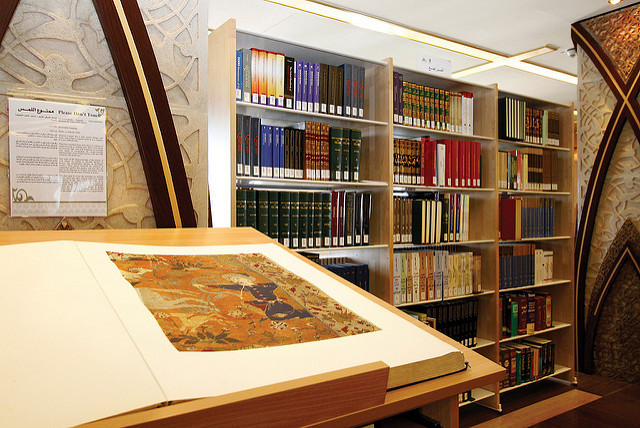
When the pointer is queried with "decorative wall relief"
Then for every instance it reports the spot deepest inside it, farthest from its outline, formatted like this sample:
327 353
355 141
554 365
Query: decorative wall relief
58 50
608 150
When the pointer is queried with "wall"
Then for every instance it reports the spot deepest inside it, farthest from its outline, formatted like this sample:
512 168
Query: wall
56 50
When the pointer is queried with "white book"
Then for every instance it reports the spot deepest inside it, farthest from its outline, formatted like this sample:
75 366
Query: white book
440 164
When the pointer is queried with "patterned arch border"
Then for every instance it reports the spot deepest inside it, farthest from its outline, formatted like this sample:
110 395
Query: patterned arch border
626 109
148 106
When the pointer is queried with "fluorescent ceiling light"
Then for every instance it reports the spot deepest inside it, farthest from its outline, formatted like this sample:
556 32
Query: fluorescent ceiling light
614 1
494 60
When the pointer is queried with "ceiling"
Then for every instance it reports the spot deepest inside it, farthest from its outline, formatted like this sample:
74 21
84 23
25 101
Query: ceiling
503 27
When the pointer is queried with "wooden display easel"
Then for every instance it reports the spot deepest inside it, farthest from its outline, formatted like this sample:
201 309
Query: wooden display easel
349 397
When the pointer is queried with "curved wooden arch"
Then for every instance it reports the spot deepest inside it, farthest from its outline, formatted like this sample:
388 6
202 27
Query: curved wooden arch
148 106
626 109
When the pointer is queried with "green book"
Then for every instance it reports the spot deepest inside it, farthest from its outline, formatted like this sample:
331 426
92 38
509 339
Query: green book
317 219
283 215
252 209
241 207
326 219
303 228
346 149
354 155
294 220
274 220
335 148
263 211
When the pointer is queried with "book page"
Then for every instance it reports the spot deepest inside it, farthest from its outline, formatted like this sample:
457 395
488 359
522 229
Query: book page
192 374
66 357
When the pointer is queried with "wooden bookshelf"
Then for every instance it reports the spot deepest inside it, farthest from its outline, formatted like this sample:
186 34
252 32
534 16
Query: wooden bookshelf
561 288
376 171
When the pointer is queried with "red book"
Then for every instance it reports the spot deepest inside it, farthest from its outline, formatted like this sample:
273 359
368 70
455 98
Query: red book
476 163
430 170
455 163
510 219
463 153
467 159
334 218
423 161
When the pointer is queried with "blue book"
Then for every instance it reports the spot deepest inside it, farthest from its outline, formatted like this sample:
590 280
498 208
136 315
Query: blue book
238 75
298 85
316 88
282 149
310 84
305 86
266 162
275 155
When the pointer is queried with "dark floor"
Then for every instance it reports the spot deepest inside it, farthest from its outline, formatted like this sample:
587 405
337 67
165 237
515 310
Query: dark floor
618 405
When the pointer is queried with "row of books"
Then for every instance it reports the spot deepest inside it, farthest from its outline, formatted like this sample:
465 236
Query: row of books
314 151
530 217
458 320
433 108
527 360
431 219
306 219
528 169
443 163
525 313
355 273
517 122
427 276
273 79
524 265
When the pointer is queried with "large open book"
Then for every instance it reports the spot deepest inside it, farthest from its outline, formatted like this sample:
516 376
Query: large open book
91 330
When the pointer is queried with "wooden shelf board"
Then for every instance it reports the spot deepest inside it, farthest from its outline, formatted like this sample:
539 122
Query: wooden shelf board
482 343
534 192
404 131
558 370
527 287
538 146
418 188
331 249
542 238
478 394
465 296
288 183
443 244
557 325
293 116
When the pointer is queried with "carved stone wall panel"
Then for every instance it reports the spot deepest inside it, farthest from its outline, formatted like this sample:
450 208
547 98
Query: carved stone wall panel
620 200
57 50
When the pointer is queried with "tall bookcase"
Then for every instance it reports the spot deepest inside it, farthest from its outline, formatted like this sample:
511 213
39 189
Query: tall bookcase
561 286
378 132
375 166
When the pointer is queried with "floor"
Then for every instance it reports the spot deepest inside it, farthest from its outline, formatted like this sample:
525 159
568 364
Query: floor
595 402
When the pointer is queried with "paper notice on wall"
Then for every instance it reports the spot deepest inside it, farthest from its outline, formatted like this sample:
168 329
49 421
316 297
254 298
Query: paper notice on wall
57 155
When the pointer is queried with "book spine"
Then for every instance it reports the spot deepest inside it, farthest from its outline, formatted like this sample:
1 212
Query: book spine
279 71
241 207
263 79
246 145
275 154
346 89
255 76
255 146
326 219
289 82
246 75
339 90
272 78
311 76
316 88
284 217
361 77
366 216
263 211
298 85
239 145
238 75
274 220
252 213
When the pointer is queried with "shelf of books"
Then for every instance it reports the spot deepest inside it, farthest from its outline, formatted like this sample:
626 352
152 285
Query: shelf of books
537 220
444 208
301 136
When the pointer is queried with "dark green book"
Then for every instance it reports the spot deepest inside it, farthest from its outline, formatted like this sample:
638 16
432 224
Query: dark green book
317 219
335 149
354 155
263 211
303 228
274 220
283 215
241 207
326 219
252 209
294 220
346 150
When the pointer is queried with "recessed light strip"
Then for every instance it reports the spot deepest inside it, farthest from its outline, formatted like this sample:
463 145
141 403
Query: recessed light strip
383 26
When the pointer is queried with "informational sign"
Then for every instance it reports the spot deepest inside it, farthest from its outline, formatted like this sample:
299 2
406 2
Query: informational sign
434 65
57 159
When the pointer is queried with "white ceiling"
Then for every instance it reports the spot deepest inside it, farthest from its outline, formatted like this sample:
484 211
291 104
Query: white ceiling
501 26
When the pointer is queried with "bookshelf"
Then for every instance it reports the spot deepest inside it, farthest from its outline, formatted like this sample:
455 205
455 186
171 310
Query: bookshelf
374 125
561 286
377 177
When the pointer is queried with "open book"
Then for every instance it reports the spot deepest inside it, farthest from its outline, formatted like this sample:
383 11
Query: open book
85 336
